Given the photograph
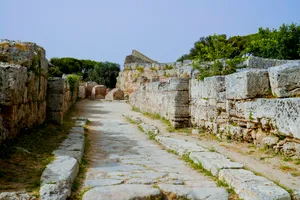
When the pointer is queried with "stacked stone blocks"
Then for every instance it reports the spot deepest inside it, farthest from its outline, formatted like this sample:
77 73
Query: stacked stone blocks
60 98
167 99
23 85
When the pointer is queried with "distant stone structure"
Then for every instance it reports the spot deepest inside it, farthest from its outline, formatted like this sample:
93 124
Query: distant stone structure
138 57
98 92
115 94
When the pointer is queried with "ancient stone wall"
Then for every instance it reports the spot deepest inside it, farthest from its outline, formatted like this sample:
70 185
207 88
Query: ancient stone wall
167 99
245 106
23 84
60 97
134 74
259 104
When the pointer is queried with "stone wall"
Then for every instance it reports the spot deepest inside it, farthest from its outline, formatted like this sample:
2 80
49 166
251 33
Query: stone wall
23 84
135 74
167 99
259 104
245 106
60 97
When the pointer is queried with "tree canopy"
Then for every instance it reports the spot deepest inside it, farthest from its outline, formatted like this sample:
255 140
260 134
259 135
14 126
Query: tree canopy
104 73
282 43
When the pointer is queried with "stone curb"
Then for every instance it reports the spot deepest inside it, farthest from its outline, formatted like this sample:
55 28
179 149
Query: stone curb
245 183
59 175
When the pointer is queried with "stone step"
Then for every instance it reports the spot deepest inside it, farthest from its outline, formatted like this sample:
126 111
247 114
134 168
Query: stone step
250 186
214 162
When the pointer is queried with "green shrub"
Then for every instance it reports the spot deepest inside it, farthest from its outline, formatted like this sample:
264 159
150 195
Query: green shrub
73 81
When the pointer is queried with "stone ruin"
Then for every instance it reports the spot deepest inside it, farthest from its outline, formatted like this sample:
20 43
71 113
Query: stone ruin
260 104
138 57
23 86
27 98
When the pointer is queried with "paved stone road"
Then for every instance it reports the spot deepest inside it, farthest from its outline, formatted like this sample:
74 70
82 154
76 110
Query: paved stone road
125 164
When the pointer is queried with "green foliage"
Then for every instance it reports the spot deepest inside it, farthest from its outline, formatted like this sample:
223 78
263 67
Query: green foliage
105 73
73 81
169 66
208 52
72 66
55 72
140 69
283 43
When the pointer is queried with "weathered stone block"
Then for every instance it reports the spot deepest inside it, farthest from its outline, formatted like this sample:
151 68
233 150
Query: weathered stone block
284 80
249 186
283 112
115 94
213 162
23 84
247 84
264 63
89 87
98 92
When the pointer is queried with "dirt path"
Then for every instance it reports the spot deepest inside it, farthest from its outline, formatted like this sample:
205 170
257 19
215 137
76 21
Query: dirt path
125 164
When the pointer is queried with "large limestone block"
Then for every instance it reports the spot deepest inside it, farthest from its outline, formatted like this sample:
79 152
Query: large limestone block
251 187
73 146
247 84
285 80
26 54
123 192
209 88
23 85
56 85
282 114
98 92
82 92
89 87
115 94
63 168
179 146
213 162
264 63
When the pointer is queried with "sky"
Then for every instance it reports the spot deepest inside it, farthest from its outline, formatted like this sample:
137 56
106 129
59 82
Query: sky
108 30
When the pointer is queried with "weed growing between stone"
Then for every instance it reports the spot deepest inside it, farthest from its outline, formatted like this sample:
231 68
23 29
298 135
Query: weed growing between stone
24 158
170 128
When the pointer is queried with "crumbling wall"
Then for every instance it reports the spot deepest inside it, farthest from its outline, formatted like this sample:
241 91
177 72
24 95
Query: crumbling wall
245 106
167 99
135 74
60 97
23 84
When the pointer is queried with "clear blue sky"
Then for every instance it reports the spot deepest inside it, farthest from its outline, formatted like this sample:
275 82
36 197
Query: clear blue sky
107 30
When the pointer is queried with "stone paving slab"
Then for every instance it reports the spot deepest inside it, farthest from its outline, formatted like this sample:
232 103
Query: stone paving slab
214 162
123 192
72 146
251 187
180 147
185 192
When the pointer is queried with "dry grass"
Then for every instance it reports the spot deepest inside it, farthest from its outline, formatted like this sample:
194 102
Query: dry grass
24 158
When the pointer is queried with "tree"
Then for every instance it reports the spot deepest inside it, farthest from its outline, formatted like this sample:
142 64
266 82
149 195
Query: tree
105 73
